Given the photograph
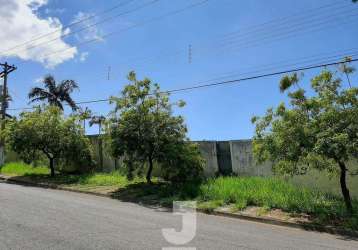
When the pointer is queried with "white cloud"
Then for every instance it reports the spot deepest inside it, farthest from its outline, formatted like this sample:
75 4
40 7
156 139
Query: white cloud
90 32
20 23
83 56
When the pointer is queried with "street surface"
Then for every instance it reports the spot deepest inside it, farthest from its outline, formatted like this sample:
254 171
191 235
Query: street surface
34 219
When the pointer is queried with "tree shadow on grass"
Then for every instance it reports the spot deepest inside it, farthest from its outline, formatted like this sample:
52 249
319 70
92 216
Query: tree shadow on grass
44 179
155 195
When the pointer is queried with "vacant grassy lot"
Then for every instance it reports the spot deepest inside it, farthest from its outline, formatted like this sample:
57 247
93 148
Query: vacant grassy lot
238 192
41 174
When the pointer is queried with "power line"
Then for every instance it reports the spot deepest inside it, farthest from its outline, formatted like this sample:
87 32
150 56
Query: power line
67 26
272 66
308 15
289 17
210 49
275 35
268 36
88 26
224 82
175 12
321 57
256 77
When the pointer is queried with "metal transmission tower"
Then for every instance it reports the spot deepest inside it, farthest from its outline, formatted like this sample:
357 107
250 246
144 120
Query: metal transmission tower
6 70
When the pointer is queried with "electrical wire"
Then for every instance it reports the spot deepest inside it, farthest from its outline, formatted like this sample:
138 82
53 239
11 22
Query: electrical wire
86 27
175 12
66 26
227 82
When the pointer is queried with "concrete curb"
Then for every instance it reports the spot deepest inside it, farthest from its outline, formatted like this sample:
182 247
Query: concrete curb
277 222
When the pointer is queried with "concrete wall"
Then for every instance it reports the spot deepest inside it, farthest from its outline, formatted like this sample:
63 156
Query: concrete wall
243 162
234 157
208 151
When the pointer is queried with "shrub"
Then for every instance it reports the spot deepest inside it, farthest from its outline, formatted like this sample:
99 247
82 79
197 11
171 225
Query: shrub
47 132
182 163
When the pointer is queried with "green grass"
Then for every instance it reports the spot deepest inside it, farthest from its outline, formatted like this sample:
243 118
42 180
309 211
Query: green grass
21 169
268 192
238 192
273 193
42 174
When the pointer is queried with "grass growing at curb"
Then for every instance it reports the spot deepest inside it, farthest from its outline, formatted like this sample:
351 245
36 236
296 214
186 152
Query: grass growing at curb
42 174
239 192
274 193
267 192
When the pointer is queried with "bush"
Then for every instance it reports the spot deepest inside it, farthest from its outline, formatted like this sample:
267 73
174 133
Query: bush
46 132
183 163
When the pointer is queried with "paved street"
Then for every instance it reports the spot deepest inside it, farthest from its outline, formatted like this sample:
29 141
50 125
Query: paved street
35 218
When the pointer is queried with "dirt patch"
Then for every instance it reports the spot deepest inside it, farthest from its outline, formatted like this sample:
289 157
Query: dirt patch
276 214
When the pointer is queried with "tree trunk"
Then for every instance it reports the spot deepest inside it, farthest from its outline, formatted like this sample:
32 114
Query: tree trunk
100 152
52 167
150 169
345 191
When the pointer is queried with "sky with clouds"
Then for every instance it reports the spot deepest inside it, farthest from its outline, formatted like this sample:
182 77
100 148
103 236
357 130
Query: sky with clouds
177 43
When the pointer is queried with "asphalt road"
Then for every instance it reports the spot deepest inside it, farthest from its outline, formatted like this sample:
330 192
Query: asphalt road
35 218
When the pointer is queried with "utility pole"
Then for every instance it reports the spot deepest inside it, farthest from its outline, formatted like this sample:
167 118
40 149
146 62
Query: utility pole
6 70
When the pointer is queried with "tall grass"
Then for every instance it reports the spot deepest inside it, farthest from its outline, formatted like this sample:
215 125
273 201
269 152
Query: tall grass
270 193
242 191
106 179
42 174
20 169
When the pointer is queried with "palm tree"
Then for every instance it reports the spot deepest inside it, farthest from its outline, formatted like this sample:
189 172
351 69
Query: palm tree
97 119
55 94
85 115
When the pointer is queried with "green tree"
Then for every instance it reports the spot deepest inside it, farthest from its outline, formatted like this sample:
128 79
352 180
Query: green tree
84 115
48 132
144 129
316 131
55 94
346 69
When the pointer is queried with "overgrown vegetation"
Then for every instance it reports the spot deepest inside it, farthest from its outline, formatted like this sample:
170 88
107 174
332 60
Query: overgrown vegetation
319 131
47 132
144 130
268 193
21 169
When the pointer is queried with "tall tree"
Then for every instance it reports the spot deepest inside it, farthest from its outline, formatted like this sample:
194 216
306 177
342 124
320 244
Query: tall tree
99 120
84 115
49 133
144 128
316 131
55 94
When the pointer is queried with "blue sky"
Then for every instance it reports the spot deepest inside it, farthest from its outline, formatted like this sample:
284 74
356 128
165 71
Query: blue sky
226 36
